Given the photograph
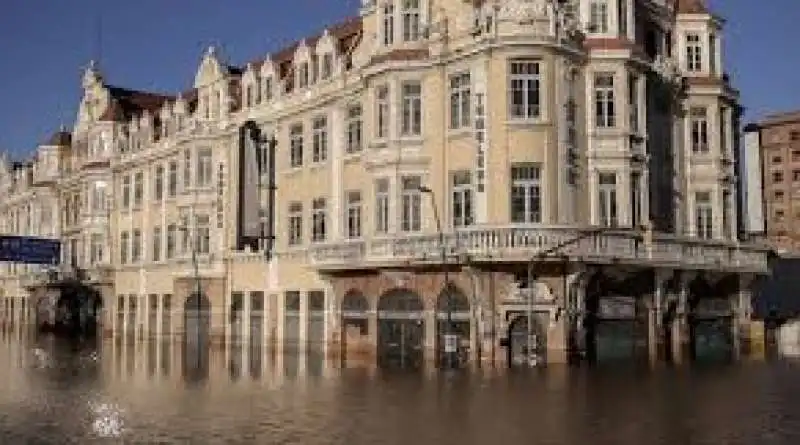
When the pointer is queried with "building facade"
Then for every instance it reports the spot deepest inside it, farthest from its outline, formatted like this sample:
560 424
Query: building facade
429 182
774 146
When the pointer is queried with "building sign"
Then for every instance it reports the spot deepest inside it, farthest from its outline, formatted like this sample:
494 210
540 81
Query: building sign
256 189
31 250
480 138
617 308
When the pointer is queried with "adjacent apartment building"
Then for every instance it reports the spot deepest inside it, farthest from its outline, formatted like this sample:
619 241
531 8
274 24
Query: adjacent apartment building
432 180
772 148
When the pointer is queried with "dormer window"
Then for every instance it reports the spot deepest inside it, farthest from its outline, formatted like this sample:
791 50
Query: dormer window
411 20
327 66
388 24
267 88
248 95
598 16
257 90
302 75
694 53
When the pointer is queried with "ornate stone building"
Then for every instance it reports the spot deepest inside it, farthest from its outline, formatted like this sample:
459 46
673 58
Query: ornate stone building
434 180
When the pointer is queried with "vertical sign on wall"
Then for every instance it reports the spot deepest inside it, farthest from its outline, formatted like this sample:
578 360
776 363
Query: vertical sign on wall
249 224
481 139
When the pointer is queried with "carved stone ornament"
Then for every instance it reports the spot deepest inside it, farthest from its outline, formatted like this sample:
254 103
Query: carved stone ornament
524 10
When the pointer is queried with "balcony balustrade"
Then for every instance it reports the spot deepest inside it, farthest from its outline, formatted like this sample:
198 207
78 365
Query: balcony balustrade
521 243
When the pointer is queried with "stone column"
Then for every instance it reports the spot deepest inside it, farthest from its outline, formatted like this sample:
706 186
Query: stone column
655 340
680 328
430 335
372 334
742 309
303 328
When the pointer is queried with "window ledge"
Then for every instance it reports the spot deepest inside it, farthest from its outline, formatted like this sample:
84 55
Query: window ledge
352 156
378 143
460 133
527 123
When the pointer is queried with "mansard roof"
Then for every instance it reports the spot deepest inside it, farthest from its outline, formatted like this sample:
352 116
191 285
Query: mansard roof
691 7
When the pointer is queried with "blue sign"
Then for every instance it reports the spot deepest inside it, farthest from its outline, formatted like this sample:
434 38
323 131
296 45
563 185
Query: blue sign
31 250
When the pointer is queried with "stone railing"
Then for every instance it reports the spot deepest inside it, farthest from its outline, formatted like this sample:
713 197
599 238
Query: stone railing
520 243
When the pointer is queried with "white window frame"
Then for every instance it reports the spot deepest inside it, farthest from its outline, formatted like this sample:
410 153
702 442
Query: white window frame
704 215
462 199
460 100
694 52
353 214
204 174
158 182
319 142
295 222
410 204
411 113
156 252
387 23
382 112
382 205
598 17
136 246
296 145
605 109
319 229
526 185
698 129
411 14
355 129
525 88
607 199
202 233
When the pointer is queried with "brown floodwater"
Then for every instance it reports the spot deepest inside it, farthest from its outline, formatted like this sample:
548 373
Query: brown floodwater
151 392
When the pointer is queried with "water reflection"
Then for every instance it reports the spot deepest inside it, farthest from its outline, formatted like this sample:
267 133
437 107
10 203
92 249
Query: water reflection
156 391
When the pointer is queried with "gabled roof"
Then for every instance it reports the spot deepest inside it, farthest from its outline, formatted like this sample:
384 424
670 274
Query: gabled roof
125 103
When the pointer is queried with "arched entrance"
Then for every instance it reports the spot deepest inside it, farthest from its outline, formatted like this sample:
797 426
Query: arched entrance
401 329
452 327
711 320
526 345
197 321
617 323
355 323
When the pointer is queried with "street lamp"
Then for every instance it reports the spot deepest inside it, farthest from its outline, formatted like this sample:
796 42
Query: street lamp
450 338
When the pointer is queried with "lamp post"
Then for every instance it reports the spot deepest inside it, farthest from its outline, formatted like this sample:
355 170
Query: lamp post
450 339
191 234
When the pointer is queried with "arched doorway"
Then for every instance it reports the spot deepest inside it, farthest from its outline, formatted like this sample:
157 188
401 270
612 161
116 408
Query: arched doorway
527 345
197 321
401 329
452 327
355 324
710 320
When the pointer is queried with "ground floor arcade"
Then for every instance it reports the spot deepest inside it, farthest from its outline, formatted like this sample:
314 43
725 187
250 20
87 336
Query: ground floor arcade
492 315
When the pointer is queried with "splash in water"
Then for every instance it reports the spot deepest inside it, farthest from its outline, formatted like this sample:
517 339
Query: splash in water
108 420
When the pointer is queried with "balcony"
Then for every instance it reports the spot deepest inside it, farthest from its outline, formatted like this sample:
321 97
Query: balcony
521 243
100 274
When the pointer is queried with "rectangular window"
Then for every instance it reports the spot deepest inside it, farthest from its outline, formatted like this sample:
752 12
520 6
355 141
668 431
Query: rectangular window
138 189
462 211
354 129
302 75
412 109
411 201
598 16
318 217
388 24
460 100
623 17
607 199
157 243
727 213
694 53
158 183
382 112
353 214
636 198
126 191
172 239
124 245
698 117
268 88
202 234
319 151
605 112
411 20
382 205
633 102
526 198
172 181
136 246
96 246
524 89
187 169
295 223
296 145
327 66
204 169
704 215
777 176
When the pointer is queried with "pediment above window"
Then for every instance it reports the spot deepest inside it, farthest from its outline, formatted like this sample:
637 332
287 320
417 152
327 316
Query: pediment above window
325 44
302 53
267 68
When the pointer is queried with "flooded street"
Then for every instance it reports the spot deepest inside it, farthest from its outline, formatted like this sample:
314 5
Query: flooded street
145 392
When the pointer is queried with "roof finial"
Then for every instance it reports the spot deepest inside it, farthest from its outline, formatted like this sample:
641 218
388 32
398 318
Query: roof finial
211 51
